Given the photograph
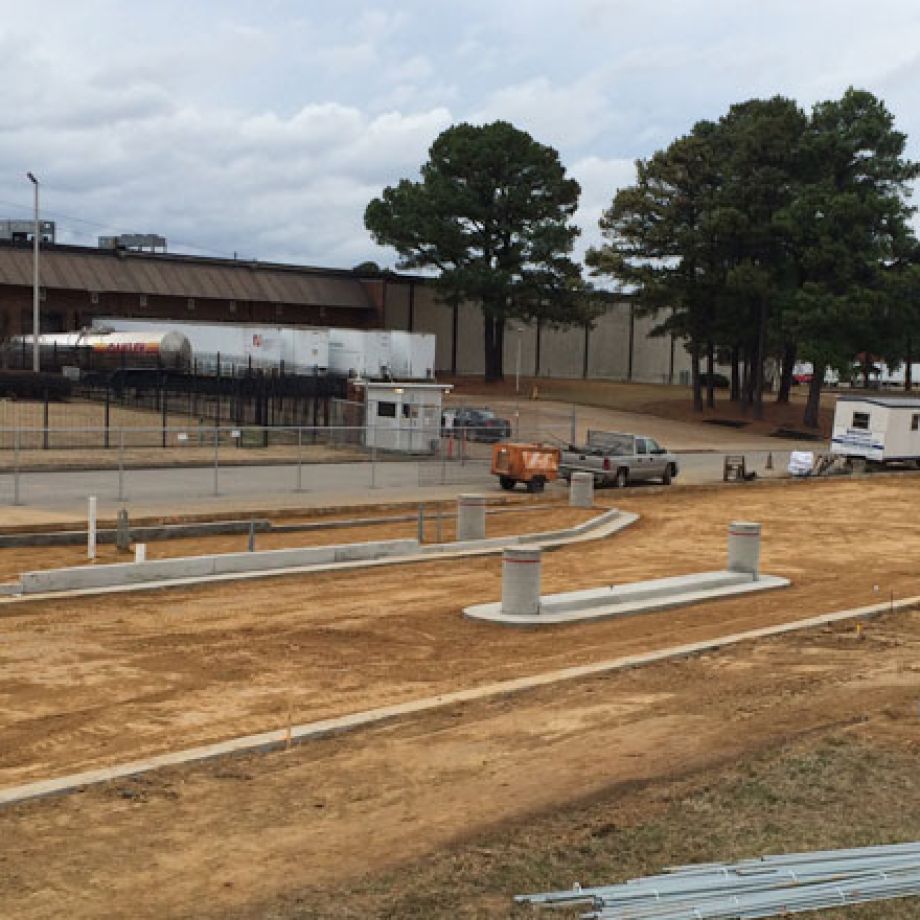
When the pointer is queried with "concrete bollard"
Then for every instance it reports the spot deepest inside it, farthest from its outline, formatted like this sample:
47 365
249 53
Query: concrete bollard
521 566
471 517
581 490
91 527
744 547
140 552
123 532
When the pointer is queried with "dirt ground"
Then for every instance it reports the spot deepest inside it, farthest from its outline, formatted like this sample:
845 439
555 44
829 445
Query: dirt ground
87 683
662 400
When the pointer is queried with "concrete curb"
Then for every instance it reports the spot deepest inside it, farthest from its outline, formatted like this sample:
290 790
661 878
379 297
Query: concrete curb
310 731
182 572
184 568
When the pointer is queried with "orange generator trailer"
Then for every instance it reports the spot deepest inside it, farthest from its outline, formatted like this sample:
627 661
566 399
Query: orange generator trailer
532 464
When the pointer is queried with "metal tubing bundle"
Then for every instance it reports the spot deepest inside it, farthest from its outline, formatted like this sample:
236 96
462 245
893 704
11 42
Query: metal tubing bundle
769 886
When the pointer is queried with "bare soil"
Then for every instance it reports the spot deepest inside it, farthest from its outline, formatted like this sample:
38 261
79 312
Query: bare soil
297 834
669 402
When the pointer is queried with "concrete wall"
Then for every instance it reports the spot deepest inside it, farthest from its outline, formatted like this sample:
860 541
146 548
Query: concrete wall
561 352
431 315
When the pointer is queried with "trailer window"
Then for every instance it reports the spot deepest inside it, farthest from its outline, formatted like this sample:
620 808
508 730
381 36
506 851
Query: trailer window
861 420
915 422
386 409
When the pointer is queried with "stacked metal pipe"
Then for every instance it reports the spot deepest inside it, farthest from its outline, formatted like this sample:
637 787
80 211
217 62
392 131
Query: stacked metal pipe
769 886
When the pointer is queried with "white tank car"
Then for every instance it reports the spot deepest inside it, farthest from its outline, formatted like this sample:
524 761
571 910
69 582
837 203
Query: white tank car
167 347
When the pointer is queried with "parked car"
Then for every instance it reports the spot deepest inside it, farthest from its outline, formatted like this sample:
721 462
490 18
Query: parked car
618 458
479 425
719 381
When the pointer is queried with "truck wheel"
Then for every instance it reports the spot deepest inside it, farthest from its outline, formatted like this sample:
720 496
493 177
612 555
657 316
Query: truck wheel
536 484
668 474
621 481
506 482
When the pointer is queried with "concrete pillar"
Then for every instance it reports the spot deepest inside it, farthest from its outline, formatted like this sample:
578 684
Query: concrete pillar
744 547
521 567
581 490
123 532
471 517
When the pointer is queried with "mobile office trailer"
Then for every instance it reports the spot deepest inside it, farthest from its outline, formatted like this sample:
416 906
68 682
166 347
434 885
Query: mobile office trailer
883 429
403 417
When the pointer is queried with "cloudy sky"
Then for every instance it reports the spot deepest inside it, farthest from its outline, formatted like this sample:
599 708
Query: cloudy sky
264 129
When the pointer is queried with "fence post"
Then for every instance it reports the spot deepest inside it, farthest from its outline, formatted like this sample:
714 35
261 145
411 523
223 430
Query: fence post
121 463
91 527
573 439
45 420
163 401
216 459
374 463
219 388
107 415
16 446
299 460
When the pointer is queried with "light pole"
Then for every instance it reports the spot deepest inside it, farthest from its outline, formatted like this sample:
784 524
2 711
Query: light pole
517 367
36 325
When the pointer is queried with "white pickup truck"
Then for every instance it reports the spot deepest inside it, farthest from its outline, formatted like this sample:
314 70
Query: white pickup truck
618 458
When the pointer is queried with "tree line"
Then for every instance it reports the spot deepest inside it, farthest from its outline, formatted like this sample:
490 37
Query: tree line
767 237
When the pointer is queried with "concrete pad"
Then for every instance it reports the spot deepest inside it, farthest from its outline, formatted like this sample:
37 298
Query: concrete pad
630 600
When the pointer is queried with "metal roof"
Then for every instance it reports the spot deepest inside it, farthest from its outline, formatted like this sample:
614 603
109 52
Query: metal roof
889 402
107 271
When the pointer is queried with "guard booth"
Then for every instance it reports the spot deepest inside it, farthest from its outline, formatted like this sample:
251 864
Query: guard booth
403 417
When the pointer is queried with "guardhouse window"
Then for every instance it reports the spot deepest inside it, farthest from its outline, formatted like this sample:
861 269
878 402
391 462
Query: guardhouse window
915 422
861 420
386 410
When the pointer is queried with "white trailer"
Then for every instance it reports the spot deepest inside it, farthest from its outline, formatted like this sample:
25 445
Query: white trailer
412 355
883 429
365 353
265 345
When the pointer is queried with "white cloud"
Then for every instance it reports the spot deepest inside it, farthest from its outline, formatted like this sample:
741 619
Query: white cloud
266 130
570 115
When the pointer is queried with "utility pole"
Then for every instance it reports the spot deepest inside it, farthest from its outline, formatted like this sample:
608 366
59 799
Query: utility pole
36 240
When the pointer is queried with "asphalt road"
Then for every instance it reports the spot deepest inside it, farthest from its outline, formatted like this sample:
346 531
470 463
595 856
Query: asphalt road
183 488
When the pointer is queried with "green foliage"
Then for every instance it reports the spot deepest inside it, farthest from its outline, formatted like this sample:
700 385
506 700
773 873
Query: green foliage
770 231
493 213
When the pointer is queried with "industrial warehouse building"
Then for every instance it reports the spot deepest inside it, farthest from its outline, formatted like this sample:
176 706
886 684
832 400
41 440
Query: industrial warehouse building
79 284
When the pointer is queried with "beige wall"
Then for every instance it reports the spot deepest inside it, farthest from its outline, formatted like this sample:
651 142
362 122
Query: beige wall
562 351
437 318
